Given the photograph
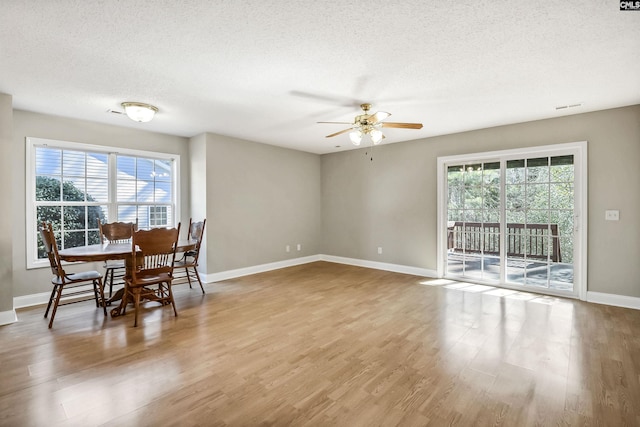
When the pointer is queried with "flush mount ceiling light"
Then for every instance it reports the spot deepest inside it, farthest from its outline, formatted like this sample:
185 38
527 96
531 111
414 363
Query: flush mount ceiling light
139 112
370 124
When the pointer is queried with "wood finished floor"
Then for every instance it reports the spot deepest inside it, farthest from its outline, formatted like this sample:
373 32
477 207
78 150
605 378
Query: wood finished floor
326 344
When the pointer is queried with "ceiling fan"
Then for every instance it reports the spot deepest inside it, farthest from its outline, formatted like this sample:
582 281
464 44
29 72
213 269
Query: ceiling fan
370 124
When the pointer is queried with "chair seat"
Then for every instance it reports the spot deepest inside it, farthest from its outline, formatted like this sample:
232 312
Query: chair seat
114 264
84 276
151 279
184 263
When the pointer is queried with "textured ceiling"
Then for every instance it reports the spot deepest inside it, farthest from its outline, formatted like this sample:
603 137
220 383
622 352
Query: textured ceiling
268 70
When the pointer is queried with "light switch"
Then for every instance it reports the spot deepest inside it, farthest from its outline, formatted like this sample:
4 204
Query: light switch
612 215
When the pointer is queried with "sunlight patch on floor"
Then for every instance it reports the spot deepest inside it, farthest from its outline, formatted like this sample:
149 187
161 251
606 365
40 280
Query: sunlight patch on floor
499 292
437 282
459 285
493 291
478 288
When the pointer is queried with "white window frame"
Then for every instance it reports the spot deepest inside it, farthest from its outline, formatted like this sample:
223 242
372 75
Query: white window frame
580 193
30 217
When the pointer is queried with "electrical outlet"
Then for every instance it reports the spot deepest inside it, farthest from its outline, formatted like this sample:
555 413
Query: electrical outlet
379 250
299 247
287 248
612 215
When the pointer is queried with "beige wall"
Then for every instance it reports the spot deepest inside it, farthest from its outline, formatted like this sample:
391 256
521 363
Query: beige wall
27 124
6 219
260 198
391 201
198 190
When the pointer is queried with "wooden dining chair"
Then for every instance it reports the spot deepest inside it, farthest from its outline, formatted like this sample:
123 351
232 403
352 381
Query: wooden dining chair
189 260
154 251
78 284
115 232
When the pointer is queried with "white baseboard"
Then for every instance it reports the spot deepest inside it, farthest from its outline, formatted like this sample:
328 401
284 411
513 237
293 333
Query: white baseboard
7 317
231 274
31 300
396 268
246 271
613 299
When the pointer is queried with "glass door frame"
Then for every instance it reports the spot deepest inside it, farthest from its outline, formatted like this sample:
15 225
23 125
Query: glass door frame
579 151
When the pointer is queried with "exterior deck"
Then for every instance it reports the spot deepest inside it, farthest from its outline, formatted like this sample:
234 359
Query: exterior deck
556 276
533 241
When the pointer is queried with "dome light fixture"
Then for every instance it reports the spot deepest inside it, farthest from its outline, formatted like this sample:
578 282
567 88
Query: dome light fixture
139 111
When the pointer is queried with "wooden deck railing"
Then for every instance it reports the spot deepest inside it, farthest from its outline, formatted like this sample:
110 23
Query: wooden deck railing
530 240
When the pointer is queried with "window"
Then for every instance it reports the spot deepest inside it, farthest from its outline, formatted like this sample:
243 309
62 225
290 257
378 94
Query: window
73 185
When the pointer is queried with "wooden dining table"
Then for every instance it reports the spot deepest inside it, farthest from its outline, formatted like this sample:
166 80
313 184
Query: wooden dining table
113 251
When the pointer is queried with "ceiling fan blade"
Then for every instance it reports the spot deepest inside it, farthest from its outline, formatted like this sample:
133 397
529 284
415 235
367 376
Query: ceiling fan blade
402 125
377 117
338 123
339 133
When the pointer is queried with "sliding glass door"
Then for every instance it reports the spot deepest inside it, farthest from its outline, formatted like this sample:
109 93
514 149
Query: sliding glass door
540 221
473 220
512 219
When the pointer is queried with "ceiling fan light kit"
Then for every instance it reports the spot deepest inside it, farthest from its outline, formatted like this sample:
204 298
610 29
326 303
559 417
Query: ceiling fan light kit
376 136
370 124
139 111
356 137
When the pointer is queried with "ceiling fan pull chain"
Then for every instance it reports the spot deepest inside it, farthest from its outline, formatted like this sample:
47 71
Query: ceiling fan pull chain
366 153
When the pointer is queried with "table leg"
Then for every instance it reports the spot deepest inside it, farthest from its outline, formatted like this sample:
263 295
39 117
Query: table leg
117 311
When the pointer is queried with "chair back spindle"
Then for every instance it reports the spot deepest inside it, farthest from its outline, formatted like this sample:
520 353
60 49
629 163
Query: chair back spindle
51 248
154 252
196 232
189 260
116 232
